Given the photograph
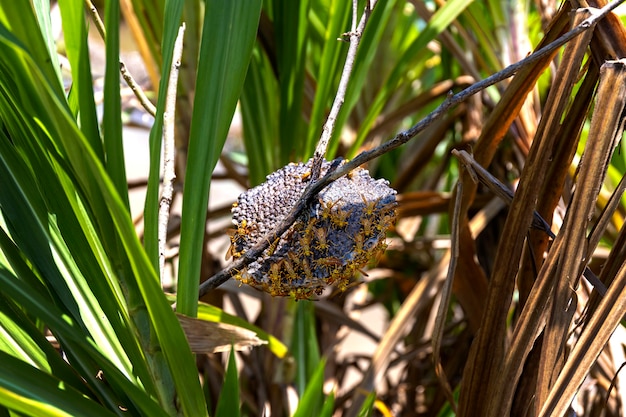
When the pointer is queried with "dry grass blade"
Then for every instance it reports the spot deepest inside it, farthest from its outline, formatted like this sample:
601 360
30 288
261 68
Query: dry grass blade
208 337
489 349
557 174
470 275
446 293
606 127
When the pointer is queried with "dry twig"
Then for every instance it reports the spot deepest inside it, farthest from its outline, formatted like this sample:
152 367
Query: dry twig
169 174
327 131
130 81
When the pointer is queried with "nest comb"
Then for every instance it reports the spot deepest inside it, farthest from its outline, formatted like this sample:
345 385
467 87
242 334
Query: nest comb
334 237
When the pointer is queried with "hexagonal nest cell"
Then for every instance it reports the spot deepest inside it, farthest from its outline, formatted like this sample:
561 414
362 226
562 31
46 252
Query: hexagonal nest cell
335 236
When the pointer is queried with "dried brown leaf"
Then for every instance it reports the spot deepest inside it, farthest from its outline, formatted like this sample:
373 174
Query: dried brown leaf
209 337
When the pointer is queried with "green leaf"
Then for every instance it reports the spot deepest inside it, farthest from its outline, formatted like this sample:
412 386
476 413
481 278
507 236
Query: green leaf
16 15
221 72
312 400
32 392
329 406
259 115
75 35
339 12
368 405
228 403
83 353
291 26
304 345
23 340
364 58
167 354
112 117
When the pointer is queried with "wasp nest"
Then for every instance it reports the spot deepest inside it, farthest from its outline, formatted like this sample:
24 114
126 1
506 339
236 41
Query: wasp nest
332 239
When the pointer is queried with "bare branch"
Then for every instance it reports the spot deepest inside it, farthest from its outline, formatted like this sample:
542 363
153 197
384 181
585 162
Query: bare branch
169 174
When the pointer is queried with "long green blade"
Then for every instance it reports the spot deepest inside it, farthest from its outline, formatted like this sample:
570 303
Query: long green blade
221 73
112 118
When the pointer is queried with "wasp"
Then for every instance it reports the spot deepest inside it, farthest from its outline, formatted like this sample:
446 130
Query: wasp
370 206
305 177
291 272
368 226
232 251
335 275
305 244
327 208
243 276
340 218
322 241
330 263
389 207
386 222
346 285
272 247
235 237
358 243
353 268
306 269
274 273
309 226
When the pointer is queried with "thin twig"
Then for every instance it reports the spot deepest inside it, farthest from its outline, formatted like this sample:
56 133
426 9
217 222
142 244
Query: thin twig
327 131
169 174
96 18
478 173
401 138
130 81
137 91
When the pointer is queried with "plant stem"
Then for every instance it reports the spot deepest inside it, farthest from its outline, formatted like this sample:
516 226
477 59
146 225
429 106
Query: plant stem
169 174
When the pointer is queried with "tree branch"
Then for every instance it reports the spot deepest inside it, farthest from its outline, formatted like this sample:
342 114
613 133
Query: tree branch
169 174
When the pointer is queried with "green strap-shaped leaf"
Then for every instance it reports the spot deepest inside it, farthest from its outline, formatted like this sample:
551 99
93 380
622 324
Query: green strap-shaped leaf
75 35
227 39
112 117
333 54
16 15
25 389
304 345
365 55
291 25
228 403
312 400
259 116
166 350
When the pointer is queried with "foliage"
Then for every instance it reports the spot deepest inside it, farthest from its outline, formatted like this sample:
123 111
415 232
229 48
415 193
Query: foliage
85 325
